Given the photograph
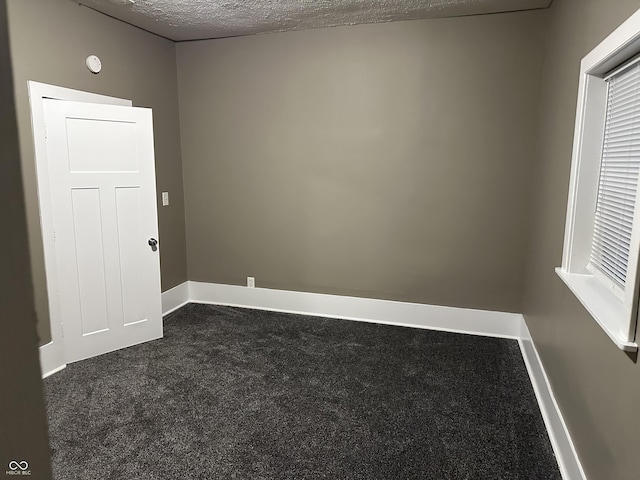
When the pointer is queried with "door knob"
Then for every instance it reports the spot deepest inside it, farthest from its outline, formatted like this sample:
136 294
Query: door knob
153 242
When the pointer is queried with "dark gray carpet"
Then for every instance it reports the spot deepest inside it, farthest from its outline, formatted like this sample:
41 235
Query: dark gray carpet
232 393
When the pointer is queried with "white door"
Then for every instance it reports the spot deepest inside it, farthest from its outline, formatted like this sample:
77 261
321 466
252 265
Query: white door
103 195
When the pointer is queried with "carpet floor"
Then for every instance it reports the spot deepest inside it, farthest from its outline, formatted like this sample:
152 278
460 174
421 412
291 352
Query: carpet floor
232 393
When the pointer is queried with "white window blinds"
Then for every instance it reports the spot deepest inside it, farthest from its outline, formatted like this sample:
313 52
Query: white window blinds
618 182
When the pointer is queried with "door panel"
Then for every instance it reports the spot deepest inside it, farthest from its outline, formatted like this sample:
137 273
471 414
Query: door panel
102 154
129 235
102 182
87 229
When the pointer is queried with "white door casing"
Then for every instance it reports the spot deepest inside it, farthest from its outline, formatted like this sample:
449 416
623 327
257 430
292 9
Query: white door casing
102 188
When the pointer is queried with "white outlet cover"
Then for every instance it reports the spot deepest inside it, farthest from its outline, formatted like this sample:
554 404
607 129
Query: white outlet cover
165 199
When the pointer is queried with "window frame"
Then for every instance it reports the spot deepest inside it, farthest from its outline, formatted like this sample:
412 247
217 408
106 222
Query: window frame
617 316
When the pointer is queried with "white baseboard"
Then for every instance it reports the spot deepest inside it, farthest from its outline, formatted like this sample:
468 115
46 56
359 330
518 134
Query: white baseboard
51 358
434 317
55 370
566 455
175 298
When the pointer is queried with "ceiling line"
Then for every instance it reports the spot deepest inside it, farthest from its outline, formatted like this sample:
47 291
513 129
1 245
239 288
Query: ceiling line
359 24
80 4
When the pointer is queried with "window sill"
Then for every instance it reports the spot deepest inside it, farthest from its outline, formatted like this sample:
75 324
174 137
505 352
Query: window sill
603 306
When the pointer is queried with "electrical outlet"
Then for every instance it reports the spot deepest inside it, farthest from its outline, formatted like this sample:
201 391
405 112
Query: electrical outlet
165 199
251 282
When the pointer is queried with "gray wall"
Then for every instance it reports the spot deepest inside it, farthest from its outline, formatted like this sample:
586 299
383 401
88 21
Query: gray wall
597 385
49 42
23 428
385 161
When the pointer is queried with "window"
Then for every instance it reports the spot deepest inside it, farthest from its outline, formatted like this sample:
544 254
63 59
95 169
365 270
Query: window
602 236
618 182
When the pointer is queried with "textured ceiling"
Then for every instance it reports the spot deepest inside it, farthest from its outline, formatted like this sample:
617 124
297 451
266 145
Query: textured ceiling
200 19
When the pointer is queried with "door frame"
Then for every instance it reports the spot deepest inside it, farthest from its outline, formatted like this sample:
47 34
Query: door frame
52 354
